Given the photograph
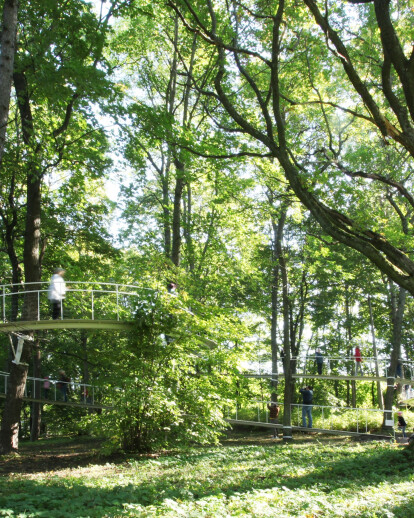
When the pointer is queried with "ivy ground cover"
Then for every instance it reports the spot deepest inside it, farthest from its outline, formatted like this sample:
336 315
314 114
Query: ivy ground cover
255 477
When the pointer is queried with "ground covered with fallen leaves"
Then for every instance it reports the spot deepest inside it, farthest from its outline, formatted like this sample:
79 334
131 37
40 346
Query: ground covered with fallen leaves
248 475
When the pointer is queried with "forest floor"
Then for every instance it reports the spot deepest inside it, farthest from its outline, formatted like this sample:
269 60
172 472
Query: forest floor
249 474
62 453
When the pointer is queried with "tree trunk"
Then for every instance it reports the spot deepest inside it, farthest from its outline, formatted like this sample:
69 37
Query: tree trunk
188 214
277 235
31 255
36 408
289 380
166 209
7 52
397 313
349 340
176 223
374 346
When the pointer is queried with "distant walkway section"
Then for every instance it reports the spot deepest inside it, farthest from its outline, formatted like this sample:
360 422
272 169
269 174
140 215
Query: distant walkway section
61 393
337 368
326 419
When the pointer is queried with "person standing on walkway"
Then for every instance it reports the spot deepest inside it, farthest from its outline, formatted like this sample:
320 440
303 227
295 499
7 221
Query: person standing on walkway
401 423
282 358
307 397
56 292
274 410
398 371
319 360
63 384
358 361
46 387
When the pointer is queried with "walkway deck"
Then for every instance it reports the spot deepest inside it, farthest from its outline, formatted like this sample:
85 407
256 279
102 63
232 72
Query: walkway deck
67 323
110 325
78 404
309 430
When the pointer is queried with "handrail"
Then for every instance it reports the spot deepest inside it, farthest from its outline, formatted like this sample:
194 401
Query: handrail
74 303
88 394
337 365
359 421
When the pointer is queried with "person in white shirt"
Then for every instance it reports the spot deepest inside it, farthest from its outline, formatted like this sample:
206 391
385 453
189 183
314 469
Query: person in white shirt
56 292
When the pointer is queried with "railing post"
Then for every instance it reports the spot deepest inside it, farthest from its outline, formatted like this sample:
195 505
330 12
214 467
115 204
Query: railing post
117 302
4 303
38 305
93 310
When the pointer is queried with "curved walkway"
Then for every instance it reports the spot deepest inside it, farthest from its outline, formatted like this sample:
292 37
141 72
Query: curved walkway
88 305
67 323
84 301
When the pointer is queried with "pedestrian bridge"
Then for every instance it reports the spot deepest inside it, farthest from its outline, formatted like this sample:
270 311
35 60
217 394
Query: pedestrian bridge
87 305
337 368
326 419
79 394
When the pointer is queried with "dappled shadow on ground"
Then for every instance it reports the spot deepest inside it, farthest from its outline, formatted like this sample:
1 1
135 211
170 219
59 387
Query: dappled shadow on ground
332 471
65 453
44 456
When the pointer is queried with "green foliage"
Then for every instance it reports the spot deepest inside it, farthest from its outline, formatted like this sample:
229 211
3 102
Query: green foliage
172 385
303 479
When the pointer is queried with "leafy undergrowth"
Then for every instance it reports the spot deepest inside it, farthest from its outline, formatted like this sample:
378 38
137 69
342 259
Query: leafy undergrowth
250 476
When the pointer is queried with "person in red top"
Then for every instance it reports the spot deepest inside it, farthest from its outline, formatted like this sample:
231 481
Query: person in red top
358 361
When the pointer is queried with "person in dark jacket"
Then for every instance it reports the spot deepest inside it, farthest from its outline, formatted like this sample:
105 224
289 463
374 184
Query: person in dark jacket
319 360
63 384
401 423
307 396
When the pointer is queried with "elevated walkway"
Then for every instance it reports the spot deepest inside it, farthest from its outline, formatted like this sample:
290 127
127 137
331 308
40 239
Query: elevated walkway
78 394
69 403
88 305
67 323
367 377
326 419
310 430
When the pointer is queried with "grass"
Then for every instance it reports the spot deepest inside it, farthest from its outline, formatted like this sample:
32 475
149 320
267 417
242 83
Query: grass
247 476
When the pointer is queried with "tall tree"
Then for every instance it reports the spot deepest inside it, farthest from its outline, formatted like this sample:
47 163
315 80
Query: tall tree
55 77
7 51
252 42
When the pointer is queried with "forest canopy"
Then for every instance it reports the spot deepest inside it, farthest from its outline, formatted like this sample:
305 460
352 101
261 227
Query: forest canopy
256 155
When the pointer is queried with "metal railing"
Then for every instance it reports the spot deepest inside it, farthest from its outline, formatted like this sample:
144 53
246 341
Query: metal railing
92 300
357 420
55 390
348 364
337 366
